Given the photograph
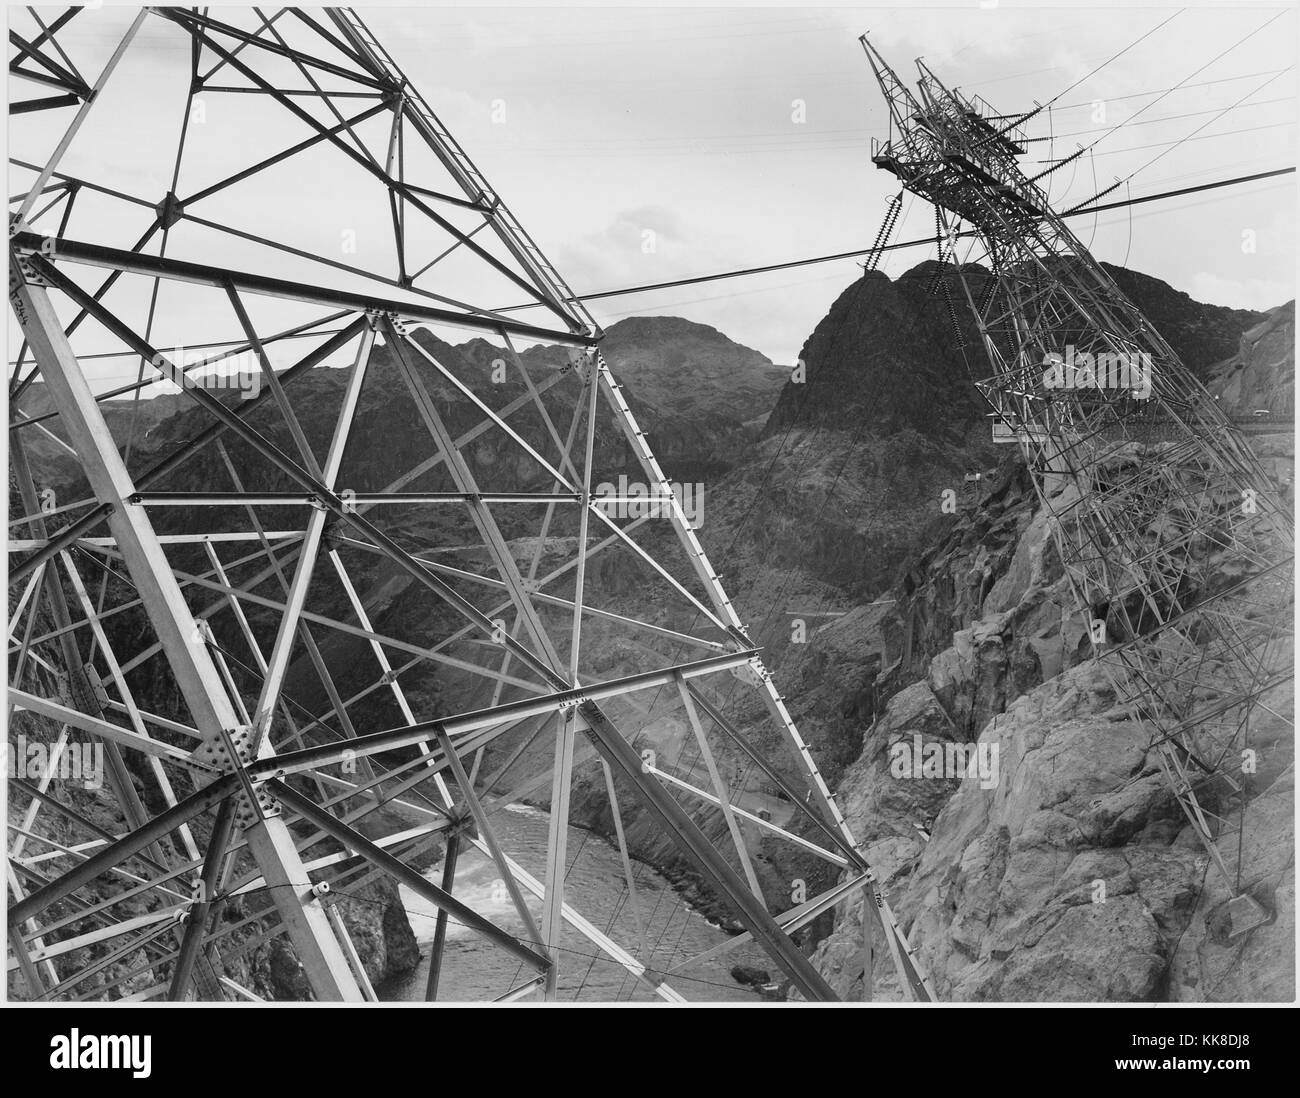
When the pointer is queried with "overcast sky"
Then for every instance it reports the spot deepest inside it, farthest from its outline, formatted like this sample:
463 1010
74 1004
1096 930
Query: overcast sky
740 136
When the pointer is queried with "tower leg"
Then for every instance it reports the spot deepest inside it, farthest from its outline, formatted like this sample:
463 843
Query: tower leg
270 840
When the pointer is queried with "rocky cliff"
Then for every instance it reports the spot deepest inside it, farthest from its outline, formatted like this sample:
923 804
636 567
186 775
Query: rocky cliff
1073 874
1259 375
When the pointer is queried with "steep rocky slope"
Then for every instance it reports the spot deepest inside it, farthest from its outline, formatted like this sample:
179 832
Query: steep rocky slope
842 498
1260 374
1074 875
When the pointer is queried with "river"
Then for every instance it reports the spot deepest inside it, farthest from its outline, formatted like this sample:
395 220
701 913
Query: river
475 970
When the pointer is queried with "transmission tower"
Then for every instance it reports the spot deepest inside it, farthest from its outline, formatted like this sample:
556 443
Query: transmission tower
1176 545
236 792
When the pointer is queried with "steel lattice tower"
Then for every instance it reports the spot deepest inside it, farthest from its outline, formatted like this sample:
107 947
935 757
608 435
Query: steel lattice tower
1175 543
243 793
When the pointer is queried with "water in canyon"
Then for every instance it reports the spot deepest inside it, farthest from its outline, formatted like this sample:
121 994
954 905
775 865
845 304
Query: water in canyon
475 970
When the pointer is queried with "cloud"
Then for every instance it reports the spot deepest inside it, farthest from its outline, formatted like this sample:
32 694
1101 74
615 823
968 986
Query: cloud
1249 293
641 244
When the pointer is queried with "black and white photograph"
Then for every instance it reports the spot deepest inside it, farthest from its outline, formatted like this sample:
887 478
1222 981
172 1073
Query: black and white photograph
760 507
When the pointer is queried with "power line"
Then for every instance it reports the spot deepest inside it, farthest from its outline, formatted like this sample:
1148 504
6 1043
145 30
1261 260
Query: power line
777 143
1152 91
812 261
1218 56
1208 122
1088 76
920 242
1169 117
1181 140
819 139
1170 146
794 263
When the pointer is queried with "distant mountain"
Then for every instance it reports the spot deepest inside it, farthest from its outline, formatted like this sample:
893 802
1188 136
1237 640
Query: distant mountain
854 459
52 462
888 351
886 358
676 366
1201 334
848 476
679 366
700 397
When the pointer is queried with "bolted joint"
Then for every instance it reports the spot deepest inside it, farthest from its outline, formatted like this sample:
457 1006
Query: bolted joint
748 673
398 324
740 637
170 210
213 752
333 534
459 819
264 806
231 752
22 271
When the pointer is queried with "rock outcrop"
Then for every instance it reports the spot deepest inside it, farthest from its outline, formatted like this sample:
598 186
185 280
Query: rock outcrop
1260 375
1074 876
